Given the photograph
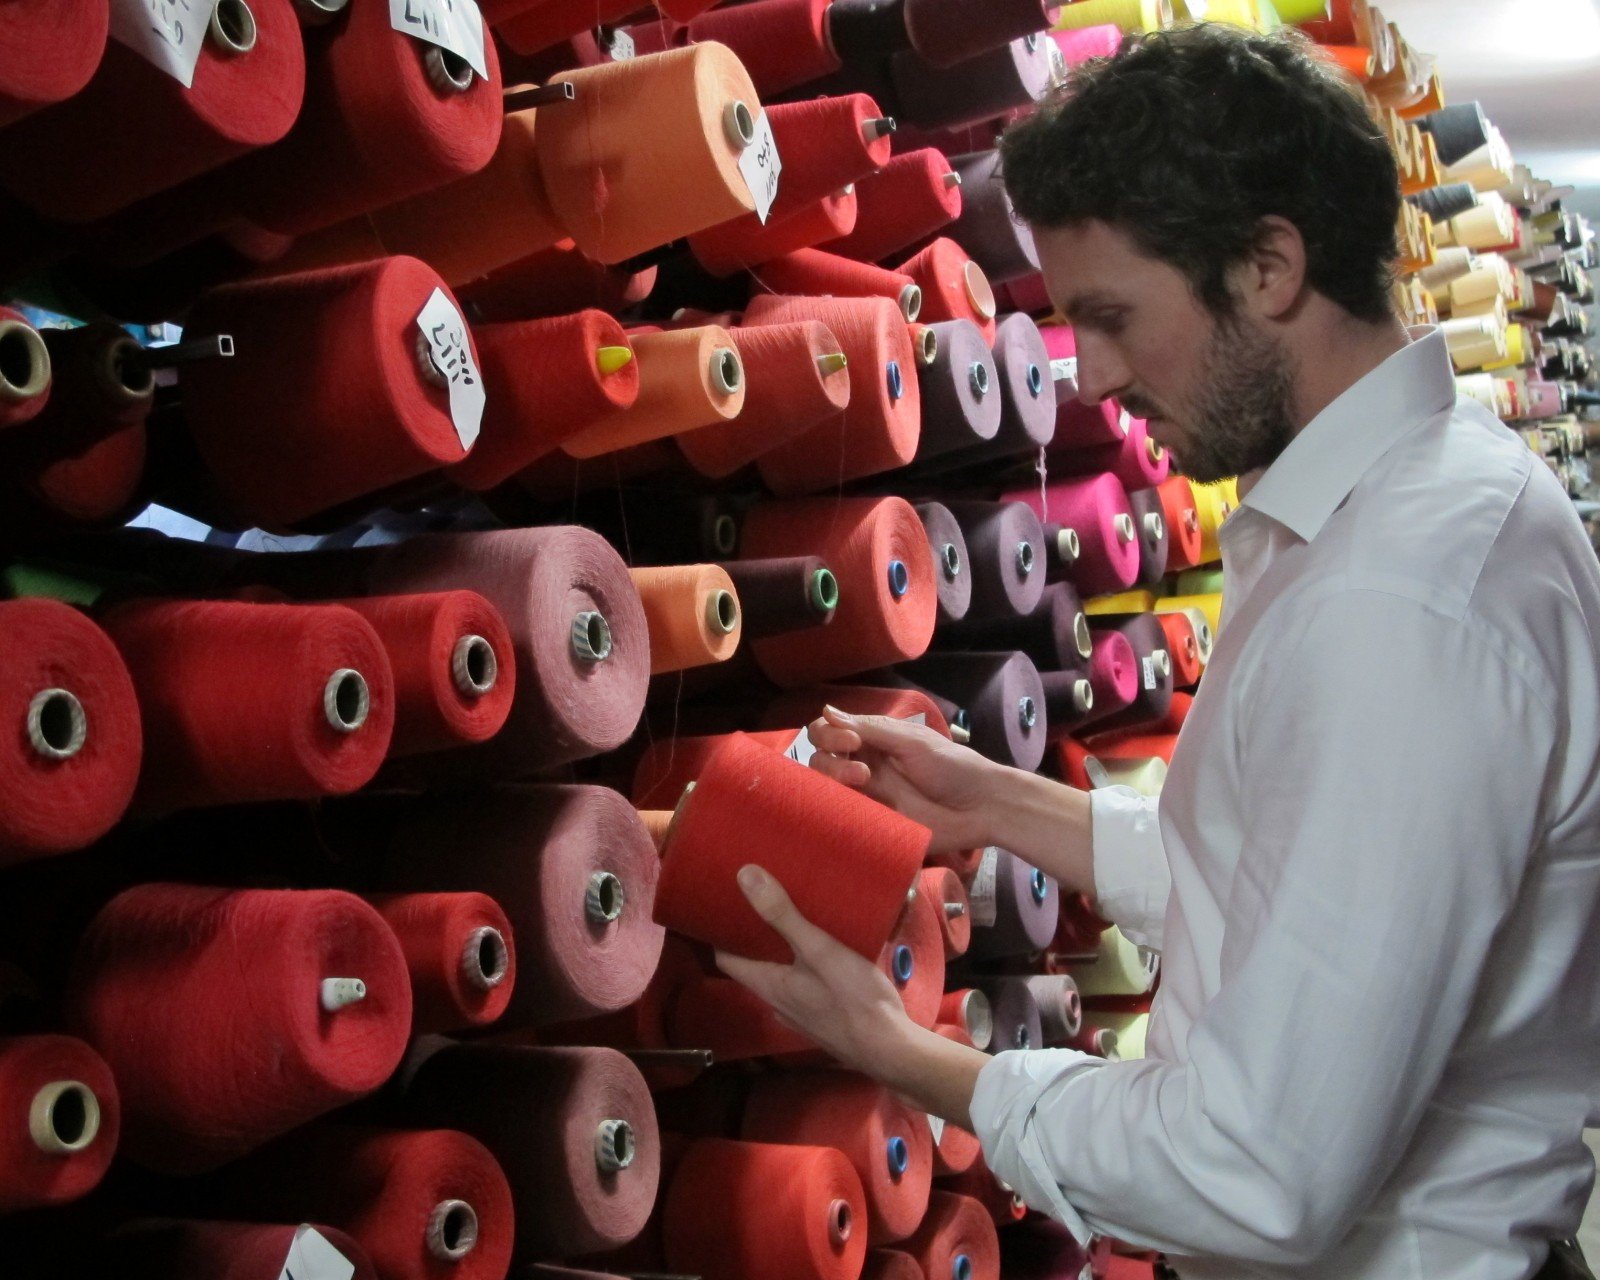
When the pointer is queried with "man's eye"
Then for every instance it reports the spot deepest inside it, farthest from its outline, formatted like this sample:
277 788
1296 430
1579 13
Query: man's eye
1106 321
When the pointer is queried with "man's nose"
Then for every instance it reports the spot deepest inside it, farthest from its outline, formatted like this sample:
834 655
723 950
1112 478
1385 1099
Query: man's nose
1101 374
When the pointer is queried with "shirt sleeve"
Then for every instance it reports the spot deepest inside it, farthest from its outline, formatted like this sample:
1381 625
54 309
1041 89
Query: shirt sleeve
1131 879
1393 767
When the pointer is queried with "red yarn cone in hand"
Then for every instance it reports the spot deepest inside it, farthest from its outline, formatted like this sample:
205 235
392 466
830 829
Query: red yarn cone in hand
752 805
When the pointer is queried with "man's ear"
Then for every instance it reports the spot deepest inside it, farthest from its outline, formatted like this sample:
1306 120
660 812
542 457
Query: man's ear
1271 279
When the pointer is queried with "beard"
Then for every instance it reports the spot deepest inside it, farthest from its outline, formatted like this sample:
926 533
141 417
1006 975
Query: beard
1241 418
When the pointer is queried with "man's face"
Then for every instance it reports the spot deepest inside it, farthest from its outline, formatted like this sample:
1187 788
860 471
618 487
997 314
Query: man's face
1217 393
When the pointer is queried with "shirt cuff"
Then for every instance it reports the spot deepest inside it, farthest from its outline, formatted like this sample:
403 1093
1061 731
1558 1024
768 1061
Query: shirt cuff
1131 879
1003 1108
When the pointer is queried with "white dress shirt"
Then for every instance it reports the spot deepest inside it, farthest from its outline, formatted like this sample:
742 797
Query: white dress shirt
1373 875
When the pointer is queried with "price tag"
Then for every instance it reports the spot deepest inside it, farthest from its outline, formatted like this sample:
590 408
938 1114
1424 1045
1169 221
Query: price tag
936 1123
446 332
801 750
311 1257
981 892
1150 679
760 166
622 46
1064 370
165 33
1125 422
456 25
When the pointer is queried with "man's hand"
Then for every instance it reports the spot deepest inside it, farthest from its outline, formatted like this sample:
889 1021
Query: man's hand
850 1009
912 769
846 1004
964 799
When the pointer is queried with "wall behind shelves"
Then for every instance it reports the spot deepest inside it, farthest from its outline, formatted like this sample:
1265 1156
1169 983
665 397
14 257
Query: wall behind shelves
1535 65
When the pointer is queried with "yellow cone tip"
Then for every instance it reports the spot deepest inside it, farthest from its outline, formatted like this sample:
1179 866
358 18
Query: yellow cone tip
610 359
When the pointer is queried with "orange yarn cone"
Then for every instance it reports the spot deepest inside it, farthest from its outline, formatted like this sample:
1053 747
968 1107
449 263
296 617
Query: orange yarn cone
796 375
688 378
693 614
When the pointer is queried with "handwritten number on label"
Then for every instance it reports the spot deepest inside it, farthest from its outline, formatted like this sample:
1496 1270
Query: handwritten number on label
456 25
451 345
427 20
764 160
166 23
760 164
450 350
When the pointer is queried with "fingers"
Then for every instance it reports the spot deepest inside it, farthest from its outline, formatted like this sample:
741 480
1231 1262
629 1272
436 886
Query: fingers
760 976
838 736
853 773
773 905
835 744
881 733
827 736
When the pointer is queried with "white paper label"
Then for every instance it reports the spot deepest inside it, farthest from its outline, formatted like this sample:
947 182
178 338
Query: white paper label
801 749
981 892
1064 370
446 332
165 33
311 1257
622 47
1125 422
936 1123
760 166
1098 777
456 25
1150 679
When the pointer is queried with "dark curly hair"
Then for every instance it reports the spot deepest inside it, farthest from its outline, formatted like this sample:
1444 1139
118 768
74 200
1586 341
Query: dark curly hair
1186 139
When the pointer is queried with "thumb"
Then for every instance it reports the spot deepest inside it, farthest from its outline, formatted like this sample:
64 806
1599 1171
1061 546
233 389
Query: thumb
763 892
772 903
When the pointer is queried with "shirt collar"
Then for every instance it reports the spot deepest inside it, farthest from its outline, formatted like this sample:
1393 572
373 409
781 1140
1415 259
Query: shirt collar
1316 472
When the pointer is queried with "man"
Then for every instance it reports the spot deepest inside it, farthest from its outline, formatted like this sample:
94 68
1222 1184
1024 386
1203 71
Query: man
1374 869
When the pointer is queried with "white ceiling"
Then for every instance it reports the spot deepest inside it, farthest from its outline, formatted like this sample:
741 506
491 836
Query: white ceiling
1535 66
